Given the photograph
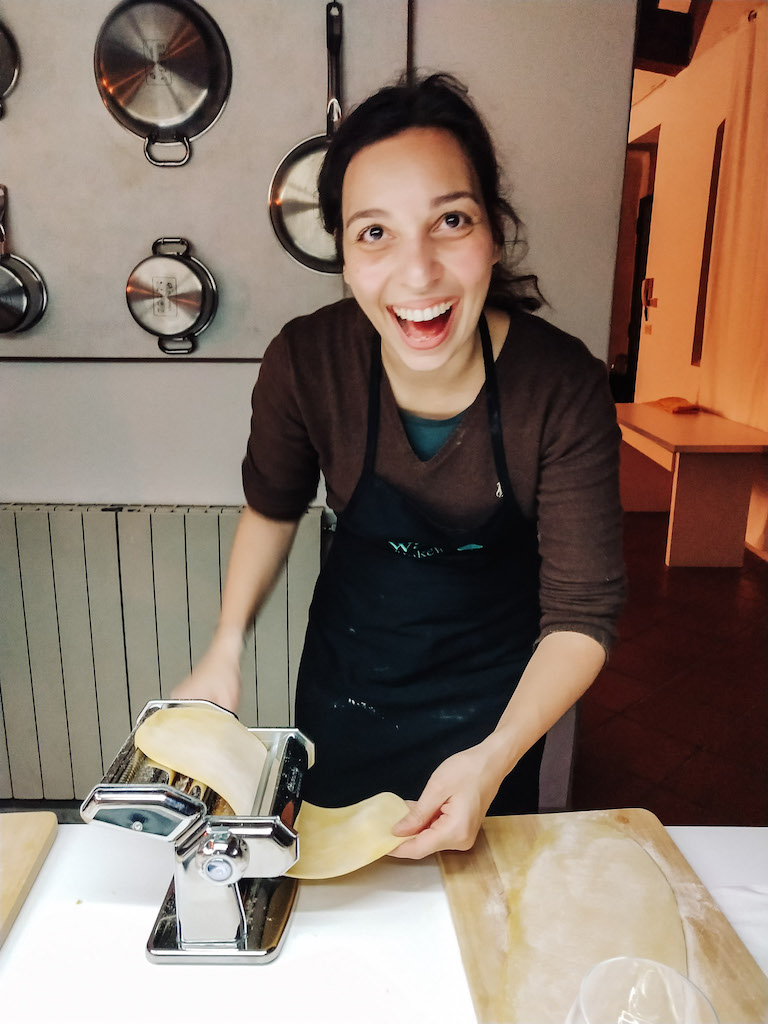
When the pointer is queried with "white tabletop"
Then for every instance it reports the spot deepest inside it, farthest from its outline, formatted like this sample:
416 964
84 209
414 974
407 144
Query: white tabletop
375 946
733 865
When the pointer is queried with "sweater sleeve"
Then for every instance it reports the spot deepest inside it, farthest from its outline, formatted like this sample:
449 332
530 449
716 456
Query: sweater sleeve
582 581
281 466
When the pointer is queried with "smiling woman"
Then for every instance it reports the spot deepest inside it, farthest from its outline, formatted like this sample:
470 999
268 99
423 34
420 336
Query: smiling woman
470 453
419 263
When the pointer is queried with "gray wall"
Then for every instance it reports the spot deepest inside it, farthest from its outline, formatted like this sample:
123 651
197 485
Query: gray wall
553 77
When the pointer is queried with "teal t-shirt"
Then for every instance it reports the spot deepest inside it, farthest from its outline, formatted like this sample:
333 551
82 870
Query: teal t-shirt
427 437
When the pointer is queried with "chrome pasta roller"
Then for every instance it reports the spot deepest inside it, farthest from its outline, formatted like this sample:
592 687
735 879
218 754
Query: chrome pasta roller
229 900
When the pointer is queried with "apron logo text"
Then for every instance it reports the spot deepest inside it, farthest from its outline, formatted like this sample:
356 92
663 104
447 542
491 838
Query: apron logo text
412 549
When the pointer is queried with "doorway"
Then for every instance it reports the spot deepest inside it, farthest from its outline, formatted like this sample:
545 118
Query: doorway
632 290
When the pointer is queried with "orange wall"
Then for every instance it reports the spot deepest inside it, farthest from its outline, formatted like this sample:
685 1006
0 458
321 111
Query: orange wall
689 108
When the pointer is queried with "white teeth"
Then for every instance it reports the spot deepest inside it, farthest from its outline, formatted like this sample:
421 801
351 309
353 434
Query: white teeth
420 315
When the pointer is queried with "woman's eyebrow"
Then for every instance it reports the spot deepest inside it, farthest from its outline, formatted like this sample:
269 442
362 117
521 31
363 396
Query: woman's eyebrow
451 197
365 214
448 197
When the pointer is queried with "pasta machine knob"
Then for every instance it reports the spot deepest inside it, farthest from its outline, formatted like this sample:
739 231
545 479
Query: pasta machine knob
222 858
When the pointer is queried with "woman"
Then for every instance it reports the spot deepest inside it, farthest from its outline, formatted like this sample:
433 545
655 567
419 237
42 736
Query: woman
470 453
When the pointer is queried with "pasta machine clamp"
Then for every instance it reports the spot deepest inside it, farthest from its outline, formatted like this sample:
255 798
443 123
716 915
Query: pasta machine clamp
230 900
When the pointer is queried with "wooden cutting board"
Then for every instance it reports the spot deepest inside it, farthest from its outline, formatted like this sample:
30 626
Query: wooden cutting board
541 898
25 839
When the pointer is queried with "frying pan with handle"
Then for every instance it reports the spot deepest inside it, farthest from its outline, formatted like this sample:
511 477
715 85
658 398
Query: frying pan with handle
293 204
23 295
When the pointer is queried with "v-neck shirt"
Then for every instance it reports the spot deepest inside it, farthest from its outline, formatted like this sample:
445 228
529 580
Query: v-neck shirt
427 436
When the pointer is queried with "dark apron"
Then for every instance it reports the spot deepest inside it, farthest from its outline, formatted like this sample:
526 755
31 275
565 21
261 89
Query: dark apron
417 634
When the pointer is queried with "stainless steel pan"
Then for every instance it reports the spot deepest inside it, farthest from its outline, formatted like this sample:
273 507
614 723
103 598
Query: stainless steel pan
293 204
23 295
9 64
172 295
164 72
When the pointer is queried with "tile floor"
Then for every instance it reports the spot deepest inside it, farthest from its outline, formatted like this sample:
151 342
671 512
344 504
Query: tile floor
678 720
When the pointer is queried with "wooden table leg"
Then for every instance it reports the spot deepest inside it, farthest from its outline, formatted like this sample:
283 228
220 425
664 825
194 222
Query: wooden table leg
710 502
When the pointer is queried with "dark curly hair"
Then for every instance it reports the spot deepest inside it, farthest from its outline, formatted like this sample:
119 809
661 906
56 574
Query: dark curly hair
435 101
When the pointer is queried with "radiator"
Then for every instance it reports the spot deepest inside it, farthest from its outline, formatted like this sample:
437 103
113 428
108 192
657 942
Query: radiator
103 608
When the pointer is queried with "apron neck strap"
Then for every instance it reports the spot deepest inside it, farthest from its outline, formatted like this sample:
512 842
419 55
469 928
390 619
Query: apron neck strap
374 403
492 398
494 408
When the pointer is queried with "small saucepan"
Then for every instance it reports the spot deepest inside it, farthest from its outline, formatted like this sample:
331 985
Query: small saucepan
172 295
23 296
293 204
163 71
9 64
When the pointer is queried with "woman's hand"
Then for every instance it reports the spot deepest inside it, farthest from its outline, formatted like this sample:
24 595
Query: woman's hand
216 677
450 811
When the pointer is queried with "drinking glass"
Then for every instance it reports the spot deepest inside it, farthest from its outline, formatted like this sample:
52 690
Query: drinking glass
631 990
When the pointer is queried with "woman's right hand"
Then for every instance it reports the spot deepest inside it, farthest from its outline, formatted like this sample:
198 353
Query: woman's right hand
216 677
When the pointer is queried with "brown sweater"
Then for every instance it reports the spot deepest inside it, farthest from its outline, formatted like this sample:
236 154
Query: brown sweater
560 437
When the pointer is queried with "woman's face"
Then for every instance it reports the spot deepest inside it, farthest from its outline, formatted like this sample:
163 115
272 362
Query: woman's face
418 247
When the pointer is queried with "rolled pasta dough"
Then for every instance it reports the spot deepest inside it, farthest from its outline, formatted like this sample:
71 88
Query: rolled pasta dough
336 840
207 744
212 746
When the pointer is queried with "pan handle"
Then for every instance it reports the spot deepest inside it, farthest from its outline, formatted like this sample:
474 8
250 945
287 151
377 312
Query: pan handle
177 346
150 142
170 247
3 240
333 30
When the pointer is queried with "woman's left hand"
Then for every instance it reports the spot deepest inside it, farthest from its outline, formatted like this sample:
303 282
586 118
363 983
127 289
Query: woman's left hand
450 811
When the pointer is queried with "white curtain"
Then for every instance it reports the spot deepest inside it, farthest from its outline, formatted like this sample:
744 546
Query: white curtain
734 364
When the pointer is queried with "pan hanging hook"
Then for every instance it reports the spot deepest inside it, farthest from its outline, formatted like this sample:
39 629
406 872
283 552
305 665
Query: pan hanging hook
333 12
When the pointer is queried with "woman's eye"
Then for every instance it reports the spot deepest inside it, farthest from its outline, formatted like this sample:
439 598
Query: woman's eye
374 233
456 219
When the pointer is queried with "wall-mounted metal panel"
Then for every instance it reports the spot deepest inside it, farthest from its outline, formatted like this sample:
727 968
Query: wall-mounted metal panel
85 205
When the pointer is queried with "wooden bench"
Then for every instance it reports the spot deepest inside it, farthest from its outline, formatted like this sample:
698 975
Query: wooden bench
713 462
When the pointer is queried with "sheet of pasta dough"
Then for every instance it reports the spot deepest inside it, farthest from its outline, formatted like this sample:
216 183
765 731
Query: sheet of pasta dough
207 744
336 840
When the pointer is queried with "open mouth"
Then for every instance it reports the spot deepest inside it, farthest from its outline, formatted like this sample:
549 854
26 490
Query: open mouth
424 328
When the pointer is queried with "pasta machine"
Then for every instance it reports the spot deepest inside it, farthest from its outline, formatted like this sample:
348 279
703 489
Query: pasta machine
229 900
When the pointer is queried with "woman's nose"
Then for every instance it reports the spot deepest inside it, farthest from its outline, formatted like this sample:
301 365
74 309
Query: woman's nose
419 264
